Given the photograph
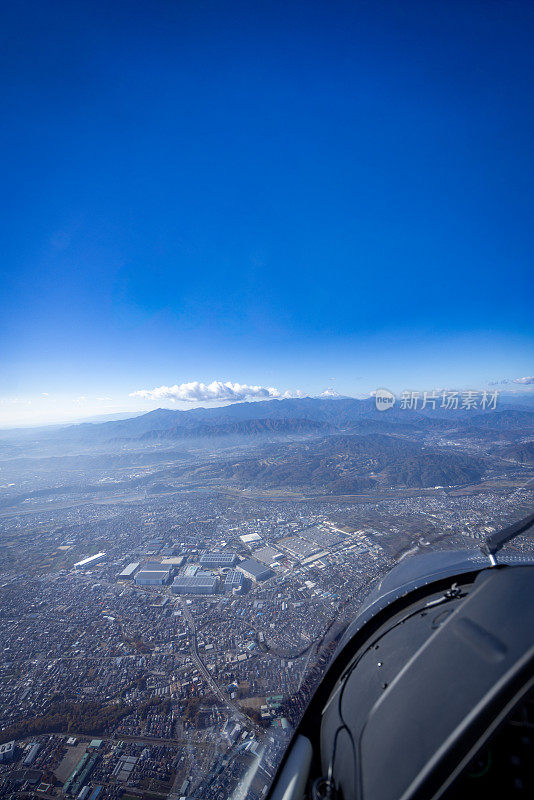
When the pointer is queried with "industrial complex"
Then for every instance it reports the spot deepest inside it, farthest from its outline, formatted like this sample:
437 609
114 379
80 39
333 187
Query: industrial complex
213 572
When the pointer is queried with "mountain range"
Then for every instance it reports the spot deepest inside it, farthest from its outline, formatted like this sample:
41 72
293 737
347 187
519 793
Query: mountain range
340 446
296 415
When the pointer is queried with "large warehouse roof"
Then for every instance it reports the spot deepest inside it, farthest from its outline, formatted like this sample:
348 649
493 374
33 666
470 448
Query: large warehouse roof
219 559
254 569
201 579
266 554
250 537
233 580
152 575
300 547
129 570
89 559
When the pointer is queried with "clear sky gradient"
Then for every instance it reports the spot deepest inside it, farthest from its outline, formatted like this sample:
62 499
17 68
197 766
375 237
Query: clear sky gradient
283 194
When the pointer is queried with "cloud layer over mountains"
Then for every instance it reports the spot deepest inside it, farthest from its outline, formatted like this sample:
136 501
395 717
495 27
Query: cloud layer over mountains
217 391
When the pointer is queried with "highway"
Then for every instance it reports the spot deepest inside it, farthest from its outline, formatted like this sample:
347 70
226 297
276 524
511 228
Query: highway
237 712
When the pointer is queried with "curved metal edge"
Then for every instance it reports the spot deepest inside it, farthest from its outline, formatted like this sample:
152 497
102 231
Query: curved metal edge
292 780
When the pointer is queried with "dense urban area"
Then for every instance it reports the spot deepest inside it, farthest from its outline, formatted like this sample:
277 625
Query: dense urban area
172 591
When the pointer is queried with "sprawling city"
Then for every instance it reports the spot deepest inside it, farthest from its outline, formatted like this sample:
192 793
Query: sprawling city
167 611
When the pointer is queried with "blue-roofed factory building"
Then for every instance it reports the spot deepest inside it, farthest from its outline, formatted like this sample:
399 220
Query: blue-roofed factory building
201 583
153 574
233 581
7 751
254 570
32 754
129 571
214 560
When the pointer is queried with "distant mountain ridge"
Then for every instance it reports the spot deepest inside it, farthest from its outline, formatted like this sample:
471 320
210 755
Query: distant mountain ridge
333 410
344 464
253 427
341 413
338 446
253 417
522 452
508 418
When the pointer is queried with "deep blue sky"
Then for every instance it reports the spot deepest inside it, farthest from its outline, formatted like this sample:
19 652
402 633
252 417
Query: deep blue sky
263 192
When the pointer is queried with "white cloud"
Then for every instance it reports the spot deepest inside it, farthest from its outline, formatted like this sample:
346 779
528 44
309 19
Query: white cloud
526 381
217 391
